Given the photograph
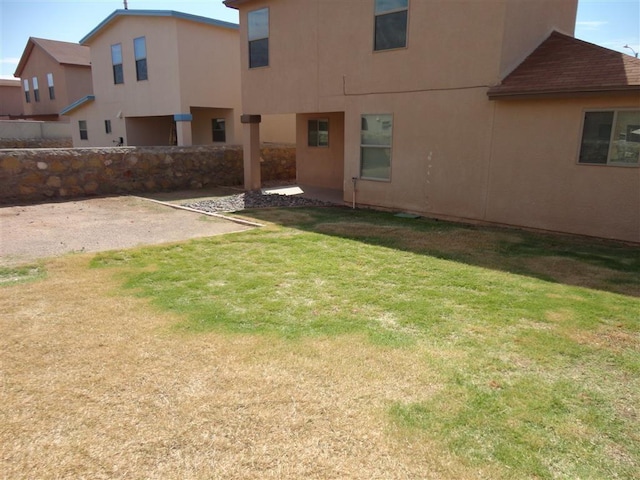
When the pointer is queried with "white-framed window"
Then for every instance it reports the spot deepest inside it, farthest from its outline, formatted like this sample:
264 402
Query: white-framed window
52 93
376 136
258 34
391 22
318 132
610 137
219 130
140 52
82 127
116 62
27 93
36 91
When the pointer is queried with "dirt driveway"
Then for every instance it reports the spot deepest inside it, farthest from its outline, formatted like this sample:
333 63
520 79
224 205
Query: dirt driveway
31 232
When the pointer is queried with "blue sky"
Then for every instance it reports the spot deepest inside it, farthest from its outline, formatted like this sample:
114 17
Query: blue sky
609 23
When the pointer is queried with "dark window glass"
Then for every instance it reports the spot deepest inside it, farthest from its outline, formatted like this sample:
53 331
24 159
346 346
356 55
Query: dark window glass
118 74
596 137
391 30
219 130
107 126
27 97
52 93
36 94
259 53
318 133
141 69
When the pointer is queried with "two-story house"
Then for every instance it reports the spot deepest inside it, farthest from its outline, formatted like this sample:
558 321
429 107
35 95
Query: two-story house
406 105
53 75
163 78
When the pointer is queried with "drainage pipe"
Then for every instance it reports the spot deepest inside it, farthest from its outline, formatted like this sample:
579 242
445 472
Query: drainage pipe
354 180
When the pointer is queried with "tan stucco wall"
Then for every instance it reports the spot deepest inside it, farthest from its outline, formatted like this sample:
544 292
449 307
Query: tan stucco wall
440 149
10 98
321 51
534 177
321 166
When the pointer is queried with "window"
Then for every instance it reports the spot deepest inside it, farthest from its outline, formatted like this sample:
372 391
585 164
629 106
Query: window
84 134
140 52
391 24
116 61
219 131
36 92
375 146
107 126
258 33
318 133
611 138
52 93
27 95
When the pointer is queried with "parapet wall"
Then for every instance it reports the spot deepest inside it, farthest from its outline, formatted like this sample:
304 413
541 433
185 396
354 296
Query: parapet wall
31 175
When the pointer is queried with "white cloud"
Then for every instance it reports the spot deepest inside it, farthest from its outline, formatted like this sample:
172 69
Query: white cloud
591 25
10 61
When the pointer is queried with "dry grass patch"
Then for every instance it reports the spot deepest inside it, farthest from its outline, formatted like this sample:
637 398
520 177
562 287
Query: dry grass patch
96 385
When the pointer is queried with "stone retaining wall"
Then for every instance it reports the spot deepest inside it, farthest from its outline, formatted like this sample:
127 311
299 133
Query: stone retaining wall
36 143
31 175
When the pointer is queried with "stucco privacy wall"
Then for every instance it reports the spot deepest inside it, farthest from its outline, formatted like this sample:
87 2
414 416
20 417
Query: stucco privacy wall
39 174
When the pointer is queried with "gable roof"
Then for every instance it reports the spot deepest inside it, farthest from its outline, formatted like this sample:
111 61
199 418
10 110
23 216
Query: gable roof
65 53
565 66
154 13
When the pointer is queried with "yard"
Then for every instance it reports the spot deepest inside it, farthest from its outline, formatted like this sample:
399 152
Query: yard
331 343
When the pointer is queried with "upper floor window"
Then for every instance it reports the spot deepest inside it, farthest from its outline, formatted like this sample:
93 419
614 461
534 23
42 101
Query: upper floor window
258 33
27 94
318 133
391 19
218 126
140 52
375 146
107 126
36 92
116 61
611 137
52 93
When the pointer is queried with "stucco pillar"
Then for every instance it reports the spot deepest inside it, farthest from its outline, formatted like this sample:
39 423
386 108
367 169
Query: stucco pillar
183 128
251 151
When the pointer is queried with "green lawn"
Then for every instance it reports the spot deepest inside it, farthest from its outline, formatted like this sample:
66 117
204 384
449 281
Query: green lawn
532 340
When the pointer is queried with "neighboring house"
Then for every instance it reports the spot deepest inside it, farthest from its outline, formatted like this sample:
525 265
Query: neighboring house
447 109
53 74
162 78
10 98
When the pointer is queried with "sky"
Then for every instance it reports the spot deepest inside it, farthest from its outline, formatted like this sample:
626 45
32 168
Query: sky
608 23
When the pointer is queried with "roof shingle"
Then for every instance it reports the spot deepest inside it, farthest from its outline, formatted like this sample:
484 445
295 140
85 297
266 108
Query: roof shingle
565 66
65 53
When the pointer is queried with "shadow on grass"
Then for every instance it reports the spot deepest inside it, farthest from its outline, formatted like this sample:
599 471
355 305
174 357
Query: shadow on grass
578 261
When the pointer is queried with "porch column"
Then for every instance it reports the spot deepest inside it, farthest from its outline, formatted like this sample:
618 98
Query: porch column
183 128
251 151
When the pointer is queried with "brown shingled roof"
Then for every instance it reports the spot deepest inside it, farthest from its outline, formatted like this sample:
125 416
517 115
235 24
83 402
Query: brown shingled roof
65 53
565 66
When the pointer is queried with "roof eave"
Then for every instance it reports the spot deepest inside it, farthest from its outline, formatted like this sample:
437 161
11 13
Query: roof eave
560 93
77 104
154 13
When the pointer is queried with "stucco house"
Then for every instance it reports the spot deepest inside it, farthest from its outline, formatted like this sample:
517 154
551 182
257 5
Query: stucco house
163 78
463 110
10 98
53 74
